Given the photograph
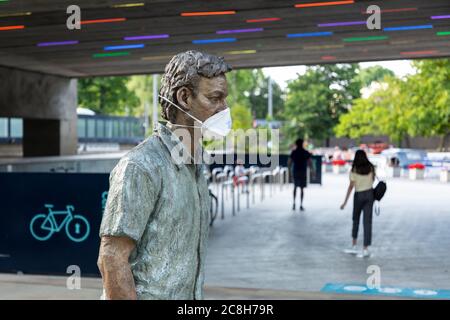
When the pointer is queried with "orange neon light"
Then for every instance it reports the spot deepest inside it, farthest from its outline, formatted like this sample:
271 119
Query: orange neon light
103 20
322 4
206 13
11 28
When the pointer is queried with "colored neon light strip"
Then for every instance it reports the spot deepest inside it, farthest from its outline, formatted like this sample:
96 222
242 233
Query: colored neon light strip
128 5
17 14
373 38
11 28
441 17
241 52
392 10
402 41
340 24
112 54
328 58
322 4
130 46
205 41
59 43
443 33
103 20
239 31
309 34
331 46
148 37
262 20
206 13
418 53
425 26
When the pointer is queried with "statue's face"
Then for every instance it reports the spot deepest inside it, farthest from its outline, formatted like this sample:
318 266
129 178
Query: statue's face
211 97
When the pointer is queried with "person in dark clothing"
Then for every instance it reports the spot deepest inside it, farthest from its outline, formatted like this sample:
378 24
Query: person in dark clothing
299 160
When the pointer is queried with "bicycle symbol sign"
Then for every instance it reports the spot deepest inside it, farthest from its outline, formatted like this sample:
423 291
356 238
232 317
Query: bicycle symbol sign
43 226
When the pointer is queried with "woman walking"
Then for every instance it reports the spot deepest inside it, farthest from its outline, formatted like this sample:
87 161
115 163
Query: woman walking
362 177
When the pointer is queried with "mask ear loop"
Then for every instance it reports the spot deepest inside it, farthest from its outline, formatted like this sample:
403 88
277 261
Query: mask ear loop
179 108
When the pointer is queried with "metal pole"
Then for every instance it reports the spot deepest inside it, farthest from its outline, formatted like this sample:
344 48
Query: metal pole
146 114
270 103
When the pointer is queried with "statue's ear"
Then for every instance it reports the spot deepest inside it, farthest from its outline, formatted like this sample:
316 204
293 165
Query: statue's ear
183 95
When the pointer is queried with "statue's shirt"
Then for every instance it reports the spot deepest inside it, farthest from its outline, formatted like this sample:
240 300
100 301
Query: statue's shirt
163 205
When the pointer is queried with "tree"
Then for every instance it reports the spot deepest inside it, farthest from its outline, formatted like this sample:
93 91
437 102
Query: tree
250 88
375 73
317 99
107 95
419 105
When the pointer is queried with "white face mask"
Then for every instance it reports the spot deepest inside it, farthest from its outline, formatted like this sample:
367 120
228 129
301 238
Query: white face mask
216 126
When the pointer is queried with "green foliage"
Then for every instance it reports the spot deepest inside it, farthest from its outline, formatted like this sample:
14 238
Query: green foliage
317 99
242 117
375 73
419 105
107 95
250 88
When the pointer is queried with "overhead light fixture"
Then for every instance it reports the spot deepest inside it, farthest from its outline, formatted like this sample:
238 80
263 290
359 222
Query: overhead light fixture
239 31
309 34
103 20
241 52
206 13
403 28
324 47
147 37
6 28
441 17
110 54
15 14
419 53
341 24
128 5
322 4
58 43
262 20
206 41
371 38
402 41
122 47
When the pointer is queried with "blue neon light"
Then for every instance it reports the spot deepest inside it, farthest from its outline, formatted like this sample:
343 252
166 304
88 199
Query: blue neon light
204 41
425 26
309 34
128 46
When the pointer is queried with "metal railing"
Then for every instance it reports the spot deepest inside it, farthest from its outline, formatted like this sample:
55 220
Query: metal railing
230 188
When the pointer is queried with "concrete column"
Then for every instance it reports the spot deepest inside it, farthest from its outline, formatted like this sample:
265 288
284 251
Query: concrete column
47 104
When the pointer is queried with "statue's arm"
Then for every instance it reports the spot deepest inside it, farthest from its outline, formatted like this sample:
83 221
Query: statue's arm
115 269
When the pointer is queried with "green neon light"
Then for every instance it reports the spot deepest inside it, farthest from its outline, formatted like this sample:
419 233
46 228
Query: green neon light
110 54
443 33
373 38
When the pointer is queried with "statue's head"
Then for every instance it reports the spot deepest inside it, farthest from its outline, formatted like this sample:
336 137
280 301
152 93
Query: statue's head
196 82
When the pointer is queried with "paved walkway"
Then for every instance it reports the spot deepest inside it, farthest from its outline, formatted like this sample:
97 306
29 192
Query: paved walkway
270 246
271 252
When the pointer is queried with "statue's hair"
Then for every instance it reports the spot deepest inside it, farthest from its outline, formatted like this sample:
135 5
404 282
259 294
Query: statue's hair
185 70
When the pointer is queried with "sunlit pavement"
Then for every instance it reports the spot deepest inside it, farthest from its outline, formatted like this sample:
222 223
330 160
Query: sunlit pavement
271 246
272 252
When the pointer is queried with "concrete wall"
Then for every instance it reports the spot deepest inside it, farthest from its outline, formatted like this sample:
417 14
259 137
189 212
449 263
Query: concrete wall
48 106
36 96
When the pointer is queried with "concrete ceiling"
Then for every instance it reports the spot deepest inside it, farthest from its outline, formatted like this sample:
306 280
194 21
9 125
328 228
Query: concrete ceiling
45 21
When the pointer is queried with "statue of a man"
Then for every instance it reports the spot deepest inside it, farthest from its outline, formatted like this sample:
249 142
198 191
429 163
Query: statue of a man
156 221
